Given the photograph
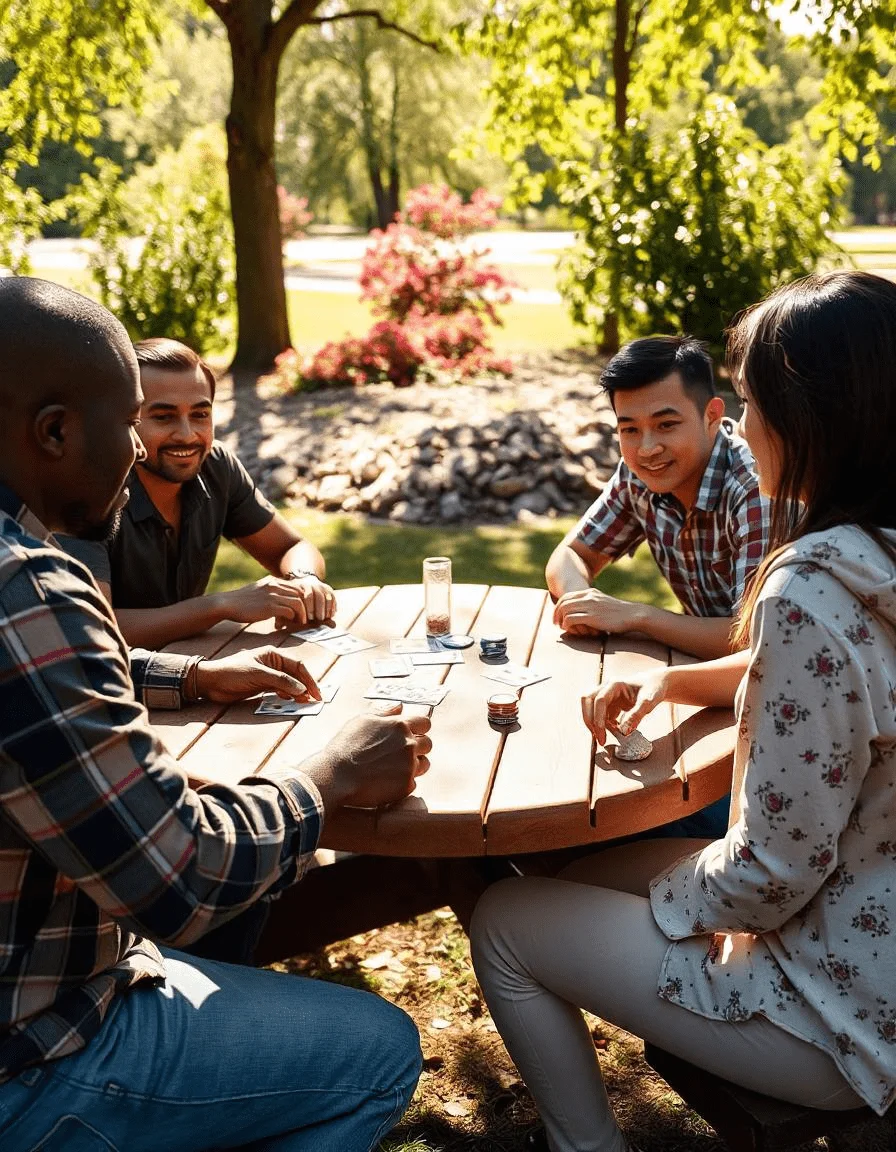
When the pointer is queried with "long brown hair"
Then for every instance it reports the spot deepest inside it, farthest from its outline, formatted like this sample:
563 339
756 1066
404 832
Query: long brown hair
818 360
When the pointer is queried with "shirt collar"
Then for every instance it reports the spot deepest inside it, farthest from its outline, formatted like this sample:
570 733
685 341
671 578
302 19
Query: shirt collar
20 512
140 507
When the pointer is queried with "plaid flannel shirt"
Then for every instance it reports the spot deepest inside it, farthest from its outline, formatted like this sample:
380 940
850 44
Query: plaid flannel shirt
707 553
102 842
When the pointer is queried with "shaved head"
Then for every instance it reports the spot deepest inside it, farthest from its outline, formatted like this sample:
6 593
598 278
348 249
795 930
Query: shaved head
69 402
57 346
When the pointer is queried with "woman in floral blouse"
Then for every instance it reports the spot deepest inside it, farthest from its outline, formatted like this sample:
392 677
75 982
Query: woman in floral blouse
767 957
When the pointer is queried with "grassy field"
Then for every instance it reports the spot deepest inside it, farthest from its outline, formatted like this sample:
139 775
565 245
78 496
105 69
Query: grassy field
360 551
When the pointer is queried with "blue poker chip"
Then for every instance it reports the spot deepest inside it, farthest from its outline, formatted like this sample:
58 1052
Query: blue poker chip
456 641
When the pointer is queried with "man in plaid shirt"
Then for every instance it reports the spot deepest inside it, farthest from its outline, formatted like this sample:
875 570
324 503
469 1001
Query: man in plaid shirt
686 485
108 1039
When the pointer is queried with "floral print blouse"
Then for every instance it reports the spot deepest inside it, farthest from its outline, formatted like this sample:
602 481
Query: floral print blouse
793 915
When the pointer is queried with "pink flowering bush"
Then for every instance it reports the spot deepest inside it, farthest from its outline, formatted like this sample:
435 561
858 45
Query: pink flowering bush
434 299
294 214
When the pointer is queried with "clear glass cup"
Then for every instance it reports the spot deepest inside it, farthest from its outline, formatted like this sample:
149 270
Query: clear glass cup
437 595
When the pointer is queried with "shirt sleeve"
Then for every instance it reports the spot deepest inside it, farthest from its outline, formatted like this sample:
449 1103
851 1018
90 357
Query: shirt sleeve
85 779
248 510
92 554
610 525
807 721
750 539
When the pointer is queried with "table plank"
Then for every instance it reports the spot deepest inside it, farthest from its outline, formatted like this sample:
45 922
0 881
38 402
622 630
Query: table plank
705 738
238 741
541 797
630 796
445 817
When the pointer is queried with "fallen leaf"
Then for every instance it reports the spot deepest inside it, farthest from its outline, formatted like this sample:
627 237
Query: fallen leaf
440 1022
433 972
378 960
456 1108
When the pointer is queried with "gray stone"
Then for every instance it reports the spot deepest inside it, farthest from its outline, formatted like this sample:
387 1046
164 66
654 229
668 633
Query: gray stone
536 503
451 507
279 481
333 490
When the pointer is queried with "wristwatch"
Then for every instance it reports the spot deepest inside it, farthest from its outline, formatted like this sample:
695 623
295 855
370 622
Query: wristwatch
300 574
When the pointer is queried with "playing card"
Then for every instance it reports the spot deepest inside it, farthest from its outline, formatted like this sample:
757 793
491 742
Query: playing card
443 656
428 695
345 643
276 706
319 632
515 675
411 644
391 666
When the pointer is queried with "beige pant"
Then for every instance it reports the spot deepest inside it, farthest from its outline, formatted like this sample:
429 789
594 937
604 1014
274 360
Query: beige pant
544 948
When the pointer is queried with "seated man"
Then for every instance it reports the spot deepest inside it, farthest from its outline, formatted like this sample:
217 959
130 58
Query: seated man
186 493
686 485
107 1038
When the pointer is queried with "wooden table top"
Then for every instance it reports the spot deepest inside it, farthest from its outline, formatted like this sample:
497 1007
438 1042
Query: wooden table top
537 786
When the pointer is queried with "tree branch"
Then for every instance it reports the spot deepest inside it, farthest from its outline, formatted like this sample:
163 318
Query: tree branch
382 23
633 43
296 15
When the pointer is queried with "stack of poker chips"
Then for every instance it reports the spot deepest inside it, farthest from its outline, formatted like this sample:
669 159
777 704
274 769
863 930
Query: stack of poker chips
493 647
503 708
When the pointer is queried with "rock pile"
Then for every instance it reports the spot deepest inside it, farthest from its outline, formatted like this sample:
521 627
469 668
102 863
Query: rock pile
542 443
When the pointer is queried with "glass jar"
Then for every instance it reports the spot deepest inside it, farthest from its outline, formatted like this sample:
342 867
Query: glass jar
437 595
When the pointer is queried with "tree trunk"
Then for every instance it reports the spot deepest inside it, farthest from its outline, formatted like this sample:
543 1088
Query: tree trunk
622 53
263 328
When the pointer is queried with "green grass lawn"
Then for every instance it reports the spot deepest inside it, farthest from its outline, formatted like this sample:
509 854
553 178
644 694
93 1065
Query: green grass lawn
360 552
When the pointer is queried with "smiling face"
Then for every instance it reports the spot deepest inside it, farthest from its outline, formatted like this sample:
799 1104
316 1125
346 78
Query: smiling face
176 424
666 438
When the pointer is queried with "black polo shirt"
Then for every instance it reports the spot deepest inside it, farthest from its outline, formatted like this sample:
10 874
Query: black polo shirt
147 565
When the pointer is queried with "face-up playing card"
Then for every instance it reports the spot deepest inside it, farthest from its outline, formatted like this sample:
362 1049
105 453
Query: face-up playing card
276 706
334 640
319 632
515 675
391 666
408 645
428 695
443 656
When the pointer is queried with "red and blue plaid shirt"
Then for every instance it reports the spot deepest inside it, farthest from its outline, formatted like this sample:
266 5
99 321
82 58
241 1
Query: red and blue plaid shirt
708 552
104 847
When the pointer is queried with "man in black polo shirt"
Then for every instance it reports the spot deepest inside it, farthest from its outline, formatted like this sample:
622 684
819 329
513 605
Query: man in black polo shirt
186 494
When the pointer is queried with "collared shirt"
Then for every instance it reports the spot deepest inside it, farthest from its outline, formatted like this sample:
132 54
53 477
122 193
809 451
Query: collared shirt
149 564
102 842
706 553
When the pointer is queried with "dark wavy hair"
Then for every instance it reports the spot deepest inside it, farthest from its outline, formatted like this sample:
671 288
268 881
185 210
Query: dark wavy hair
817 358
172 356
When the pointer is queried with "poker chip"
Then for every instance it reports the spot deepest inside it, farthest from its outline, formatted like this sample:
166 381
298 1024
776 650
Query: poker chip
493 646
503 708
633 747
456 640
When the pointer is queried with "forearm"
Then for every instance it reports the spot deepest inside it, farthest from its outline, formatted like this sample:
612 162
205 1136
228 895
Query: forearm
156 627
702 636
566 571
301 557
710 684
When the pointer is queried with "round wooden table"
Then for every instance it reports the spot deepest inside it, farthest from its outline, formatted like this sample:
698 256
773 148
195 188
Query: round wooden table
533 787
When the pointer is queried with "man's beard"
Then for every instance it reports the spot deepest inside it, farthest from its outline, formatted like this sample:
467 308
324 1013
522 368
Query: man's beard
100 531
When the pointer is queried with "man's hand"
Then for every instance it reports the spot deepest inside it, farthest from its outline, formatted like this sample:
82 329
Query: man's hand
588 611
373 760
317 600
287 601
620 705
248 673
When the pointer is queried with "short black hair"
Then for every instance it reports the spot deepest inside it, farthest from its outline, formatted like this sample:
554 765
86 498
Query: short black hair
653 358
172 356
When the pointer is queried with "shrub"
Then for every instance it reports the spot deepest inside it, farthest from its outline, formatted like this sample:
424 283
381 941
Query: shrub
163 260
294 214
433 295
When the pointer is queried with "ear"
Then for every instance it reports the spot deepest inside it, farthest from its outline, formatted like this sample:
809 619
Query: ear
51 425
715 410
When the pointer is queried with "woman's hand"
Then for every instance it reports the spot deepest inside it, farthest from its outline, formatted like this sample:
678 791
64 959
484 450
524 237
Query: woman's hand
620 705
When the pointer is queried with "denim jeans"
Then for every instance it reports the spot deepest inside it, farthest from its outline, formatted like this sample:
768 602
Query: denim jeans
223 1057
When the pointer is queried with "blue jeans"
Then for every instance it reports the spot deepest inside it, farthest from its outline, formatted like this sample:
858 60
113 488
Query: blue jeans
223 1057
710 823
